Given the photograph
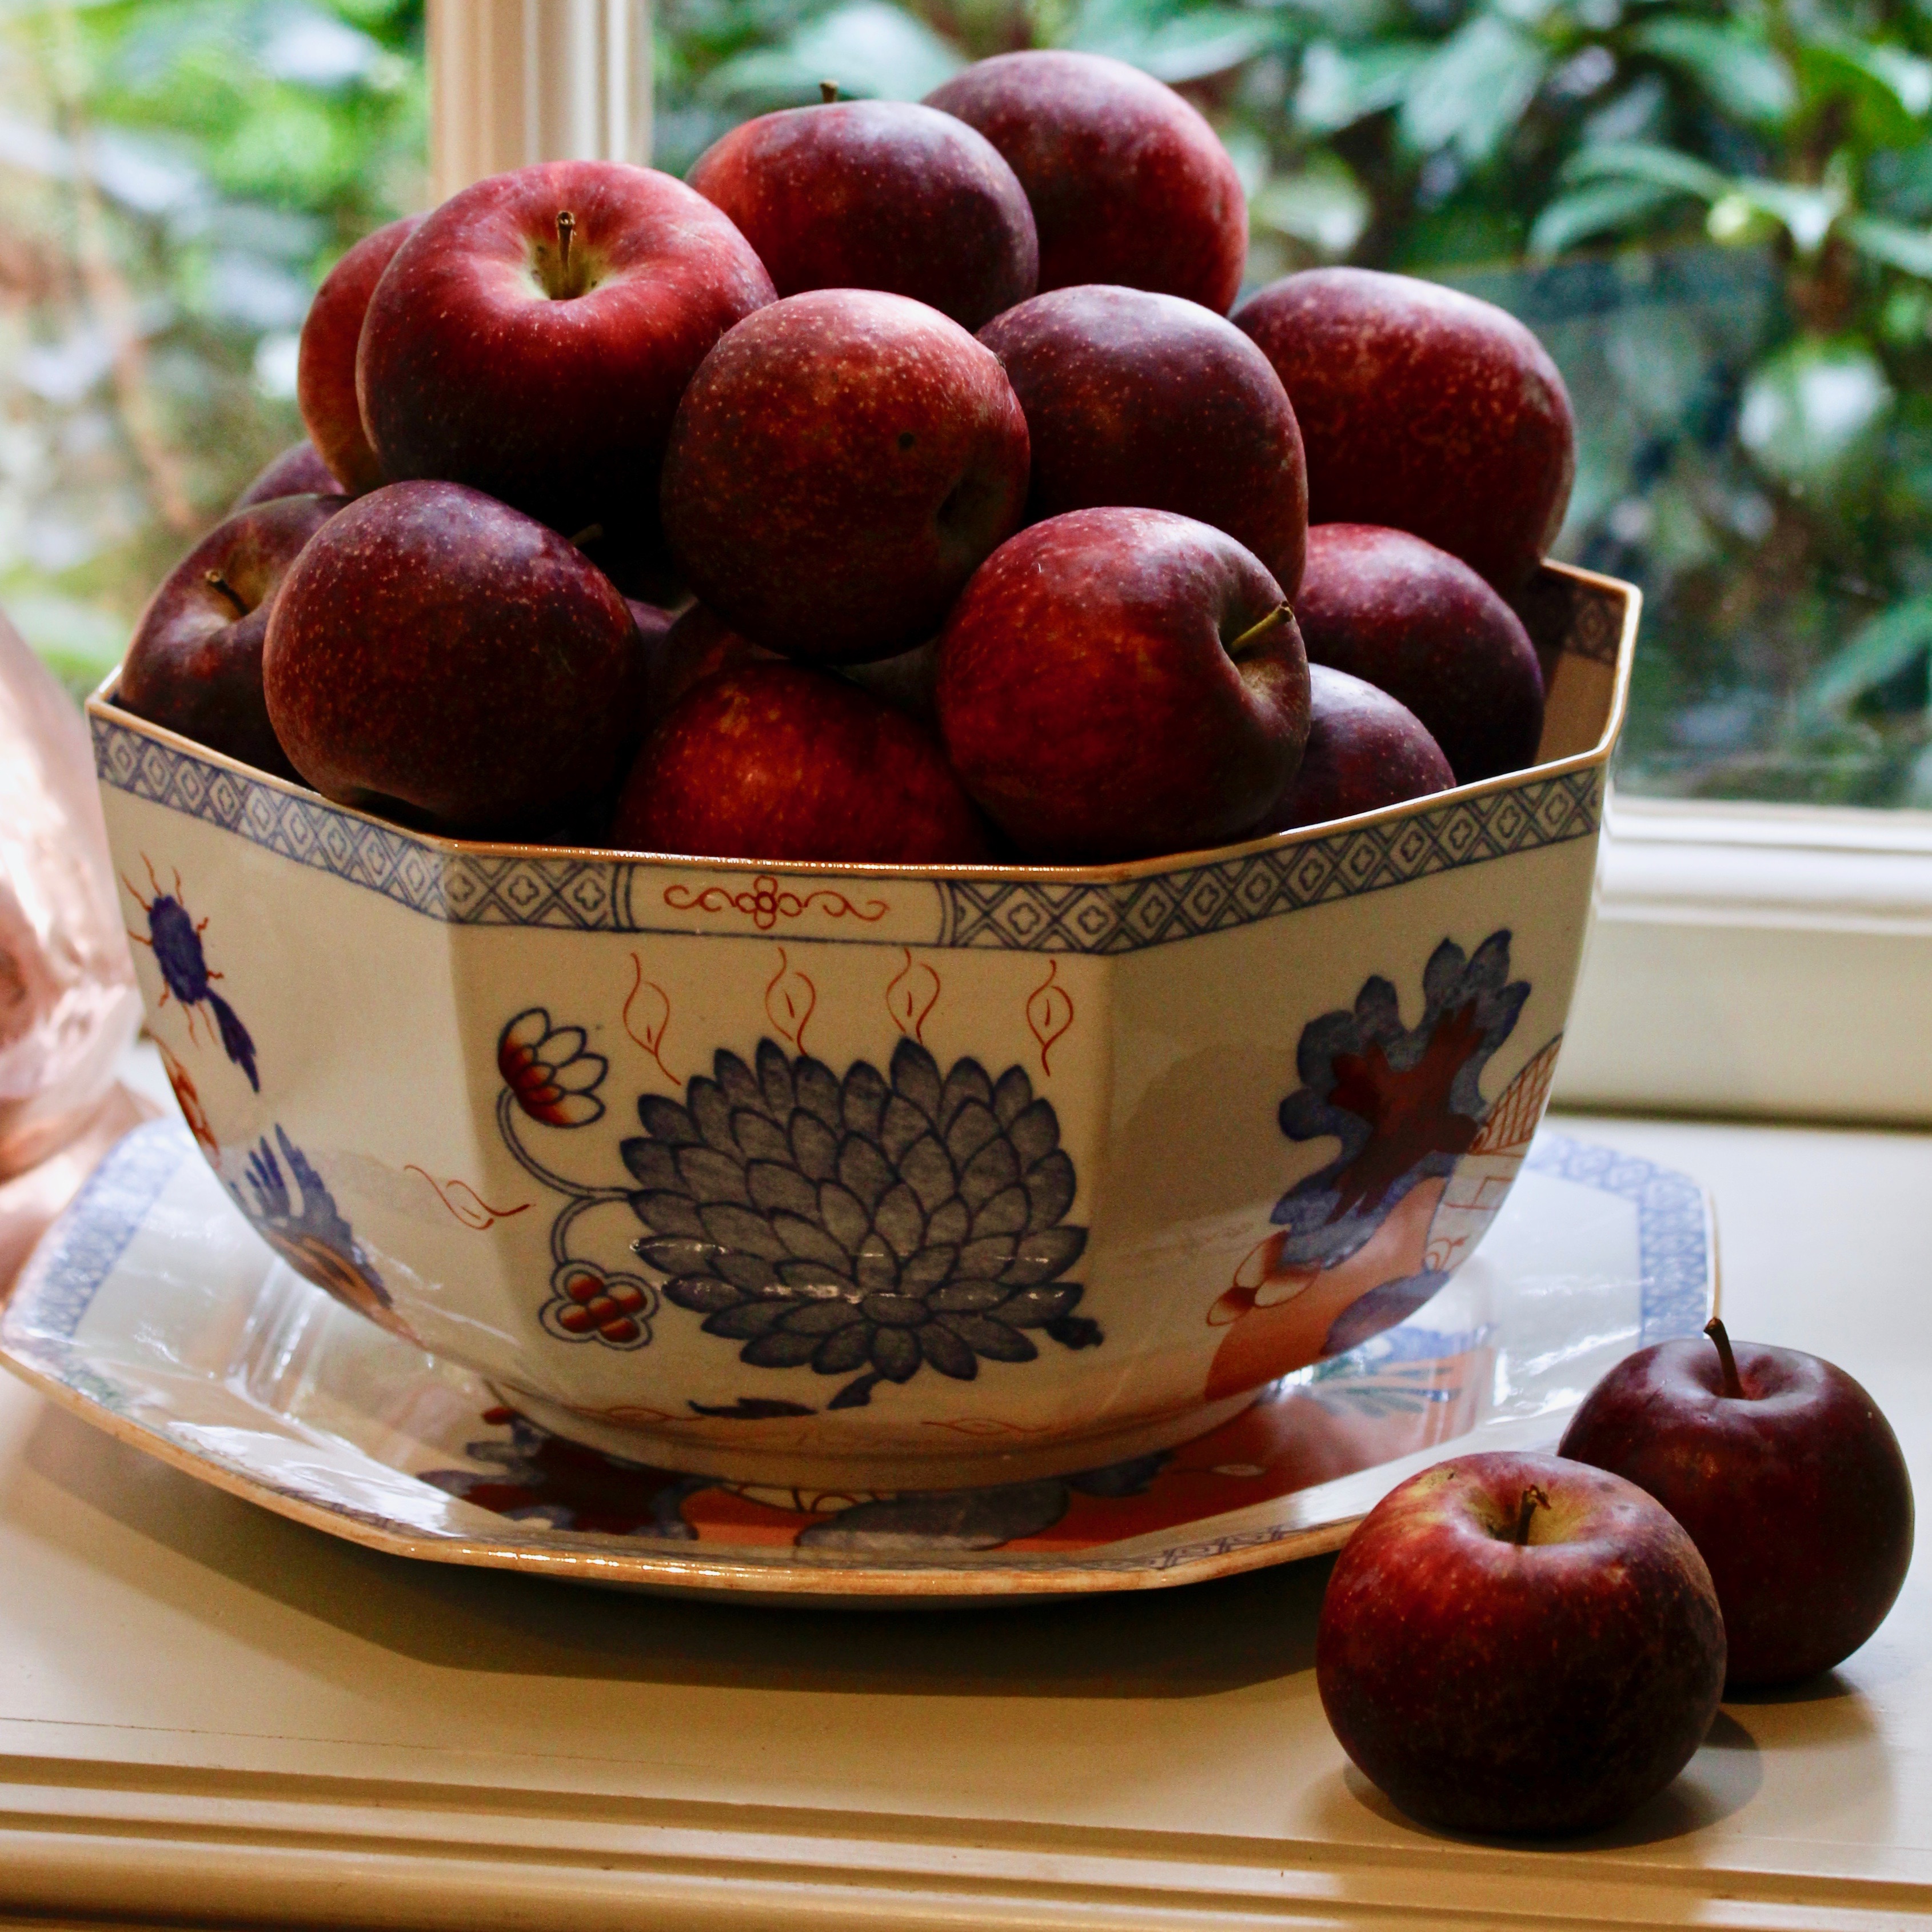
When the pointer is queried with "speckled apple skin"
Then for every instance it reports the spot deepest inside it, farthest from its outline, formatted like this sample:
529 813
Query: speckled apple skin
325 363
467 371
1422 408
877 194
842 463
299 471
1540 1689
1365 750
1127 182
195 666
1138 398
444 650
787 763
1087 697
1797 1497
1419 624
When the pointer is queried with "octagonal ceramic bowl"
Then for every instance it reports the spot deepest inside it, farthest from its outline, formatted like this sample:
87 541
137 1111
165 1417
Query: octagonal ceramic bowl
866 1177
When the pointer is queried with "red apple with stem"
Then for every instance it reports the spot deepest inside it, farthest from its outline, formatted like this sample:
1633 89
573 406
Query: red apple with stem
443 656
1787 1477
1364 752
1139 398
1515 1643
533 337
1118 683
299 471
1420 625
1422 409
842 462
326 361
790 763
877 194
1127 182
195 665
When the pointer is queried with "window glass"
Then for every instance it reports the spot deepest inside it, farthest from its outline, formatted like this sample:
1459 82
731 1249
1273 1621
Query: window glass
1715 216
175 176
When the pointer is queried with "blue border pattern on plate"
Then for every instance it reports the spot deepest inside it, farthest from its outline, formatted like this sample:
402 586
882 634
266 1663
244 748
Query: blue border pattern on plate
93 1233
1673 1236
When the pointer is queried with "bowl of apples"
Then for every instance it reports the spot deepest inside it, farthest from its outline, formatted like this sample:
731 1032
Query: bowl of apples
783 836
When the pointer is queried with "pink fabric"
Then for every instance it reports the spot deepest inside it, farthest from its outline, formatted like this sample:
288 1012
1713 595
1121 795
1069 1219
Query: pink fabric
68 1005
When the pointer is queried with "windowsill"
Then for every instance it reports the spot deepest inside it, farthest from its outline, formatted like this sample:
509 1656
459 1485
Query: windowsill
1757 960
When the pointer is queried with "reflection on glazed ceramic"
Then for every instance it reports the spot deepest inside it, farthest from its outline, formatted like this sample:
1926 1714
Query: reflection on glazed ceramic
153 1310
1401 1393
872 1181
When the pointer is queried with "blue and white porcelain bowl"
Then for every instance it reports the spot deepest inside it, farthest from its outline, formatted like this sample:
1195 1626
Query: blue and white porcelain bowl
857 1178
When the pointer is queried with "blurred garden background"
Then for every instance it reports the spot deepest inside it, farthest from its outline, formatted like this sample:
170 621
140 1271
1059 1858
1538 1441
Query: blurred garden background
1719 218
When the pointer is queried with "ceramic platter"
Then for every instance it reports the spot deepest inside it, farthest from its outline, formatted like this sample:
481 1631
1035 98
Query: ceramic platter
153 1310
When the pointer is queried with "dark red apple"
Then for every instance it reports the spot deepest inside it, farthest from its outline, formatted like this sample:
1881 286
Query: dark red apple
793 764
1515 1643
1364 752
436 650
698 643
533 337
907 682
1127 182
195 662
877 194
1419 624
1788 1479
1422 409
1138 398
325 363
1118 683
297 472
840 465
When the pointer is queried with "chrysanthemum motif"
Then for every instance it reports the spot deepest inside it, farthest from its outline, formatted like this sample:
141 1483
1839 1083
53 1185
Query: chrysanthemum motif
554 1080
864 1226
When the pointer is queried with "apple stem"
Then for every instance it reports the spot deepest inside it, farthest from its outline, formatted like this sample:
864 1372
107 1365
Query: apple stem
566 227
588 535
1533 1498
217 582
1260 633
1733 1386
828 92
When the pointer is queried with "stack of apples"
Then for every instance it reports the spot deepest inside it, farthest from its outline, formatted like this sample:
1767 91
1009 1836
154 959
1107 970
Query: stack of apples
897 490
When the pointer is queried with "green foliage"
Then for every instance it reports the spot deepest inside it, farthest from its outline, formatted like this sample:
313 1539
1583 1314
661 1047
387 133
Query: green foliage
1719 216
1715 214
175 176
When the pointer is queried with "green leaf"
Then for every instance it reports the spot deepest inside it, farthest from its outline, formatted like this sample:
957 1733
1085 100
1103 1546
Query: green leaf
1326 208
1642 160
1740 74
1892 88
1809 412
1340 86
1473 89
1173 47
870 48
1892 243
1603 207
1806 213
1879 650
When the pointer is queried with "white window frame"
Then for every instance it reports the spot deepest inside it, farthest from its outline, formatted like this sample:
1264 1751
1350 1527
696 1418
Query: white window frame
1746 959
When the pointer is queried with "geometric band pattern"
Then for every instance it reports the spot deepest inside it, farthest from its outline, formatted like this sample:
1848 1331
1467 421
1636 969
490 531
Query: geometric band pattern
1126 915
1027 916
